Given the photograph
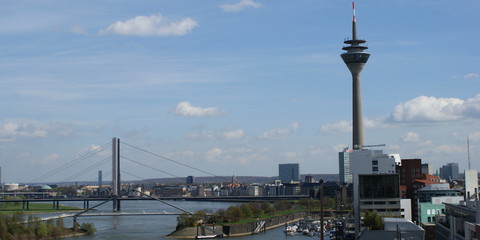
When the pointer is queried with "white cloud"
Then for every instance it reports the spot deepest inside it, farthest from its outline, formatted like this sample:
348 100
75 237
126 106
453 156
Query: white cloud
411 137
280 133
203 134
432 109
449 149
154 25
186 109
290 155
418 110
12 130
78 30
208 134
213 155
471 75
475 136
50 158
338 127
237 7
233 134
346 126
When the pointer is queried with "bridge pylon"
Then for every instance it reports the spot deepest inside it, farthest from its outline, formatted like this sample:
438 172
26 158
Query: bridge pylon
116 184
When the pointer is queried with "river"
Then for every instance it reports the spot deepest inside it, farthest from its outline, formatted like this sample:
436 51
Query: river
154 227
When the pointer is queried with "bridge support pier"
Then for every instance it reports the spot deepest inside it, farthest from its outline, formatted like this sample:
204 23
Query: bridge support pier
116 184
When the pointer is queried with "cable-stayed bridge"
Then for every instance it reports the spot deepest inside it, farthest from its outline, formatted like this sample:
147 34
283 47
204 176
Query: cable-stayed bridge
118 161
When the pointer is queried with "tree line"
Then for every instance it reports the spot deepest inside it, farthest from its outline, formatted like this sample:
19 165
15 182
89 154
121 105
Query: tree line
19 226
246 211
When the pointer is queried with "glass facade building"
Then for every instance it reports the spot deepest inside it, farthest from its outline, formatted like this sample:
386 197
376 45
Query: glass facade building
289 172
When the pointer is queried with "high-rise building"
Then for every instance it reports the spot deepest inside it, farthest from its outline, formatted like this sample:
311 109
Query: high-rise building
449 171
100 180
344 166
289 172
190 180
427 168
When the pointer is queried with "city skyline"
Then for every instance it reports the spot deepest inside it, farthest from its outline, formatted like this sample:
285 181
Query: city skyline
233 87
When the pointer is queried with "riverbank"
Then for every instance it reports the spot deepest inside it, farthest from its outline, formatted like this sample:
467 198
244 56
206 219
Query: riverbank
238 230
9 208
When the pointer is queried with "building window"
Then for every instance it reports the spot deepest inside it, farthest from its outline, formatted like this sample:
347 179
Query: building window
374 162
375 169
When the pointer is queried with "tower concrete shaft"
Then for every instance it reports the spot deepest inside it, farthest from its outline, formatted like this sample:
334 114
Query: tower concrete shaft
355 58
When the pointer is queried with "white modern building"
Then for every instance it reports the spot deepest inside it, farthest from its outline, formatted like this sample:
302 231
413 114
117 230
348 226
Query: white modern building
366 162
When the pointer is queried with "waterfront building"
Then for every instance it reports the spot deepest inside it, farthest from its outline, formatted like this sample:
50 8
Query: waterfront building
289 172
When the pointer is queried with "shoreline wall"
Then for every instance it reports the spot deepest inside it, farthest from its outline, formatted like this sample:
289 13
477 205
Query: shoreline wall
249 228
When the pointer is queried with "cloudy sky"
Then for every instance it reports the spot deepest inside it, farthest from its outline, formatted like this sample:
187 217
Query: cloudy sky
231 87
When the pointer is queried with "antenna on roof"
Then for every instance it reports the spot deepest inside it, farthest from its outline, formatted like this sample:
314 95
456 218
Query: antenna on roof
468 152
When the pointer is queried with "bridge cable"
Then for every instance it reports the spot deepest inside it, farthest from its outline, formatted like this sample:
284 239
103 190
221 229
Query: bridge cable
86 170
74 161
145 165
133 175
171 160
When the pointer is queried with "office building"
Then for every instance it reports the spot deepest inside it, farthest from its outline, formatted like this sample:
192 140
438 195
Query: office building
427 168
190 180
449 171
344 166
100 179
289 172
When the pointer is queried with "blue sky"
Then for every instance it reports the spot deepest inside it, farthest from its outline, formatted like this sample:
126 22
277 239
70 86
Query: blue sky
232 87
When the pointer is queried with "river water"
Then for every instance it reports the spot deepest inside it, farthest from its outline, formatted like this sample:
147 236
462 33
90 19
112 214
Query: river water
154 227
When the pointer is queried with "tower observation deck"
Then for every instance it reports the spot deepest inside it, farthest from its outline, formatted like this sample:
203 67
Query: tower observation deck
355 59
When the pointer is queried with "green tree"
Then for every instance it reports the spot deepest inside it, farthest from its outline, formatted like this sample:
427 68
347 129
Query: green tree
246 210
372 220
282 205
89 228
234 212
42 230
267 207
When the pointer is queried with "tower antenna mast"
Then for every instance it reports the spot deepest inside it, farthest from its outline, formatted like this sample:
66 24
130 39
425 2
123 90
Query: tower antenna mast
468 151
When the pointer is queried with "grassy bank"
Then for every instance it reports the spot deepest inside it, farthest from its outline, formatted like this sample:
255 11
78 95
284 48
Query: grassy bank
8 208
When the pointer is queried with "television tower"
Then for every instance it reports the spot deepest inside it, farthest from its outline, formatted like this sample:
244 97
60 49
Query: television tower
355 59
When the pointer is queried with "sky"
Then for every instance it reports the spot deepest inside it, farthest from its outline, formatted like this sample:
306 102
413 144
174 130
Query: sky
231 87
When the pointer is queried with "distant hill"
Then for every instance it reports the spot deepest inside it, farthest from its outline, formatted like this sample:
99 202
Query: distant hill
240 179
203 179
